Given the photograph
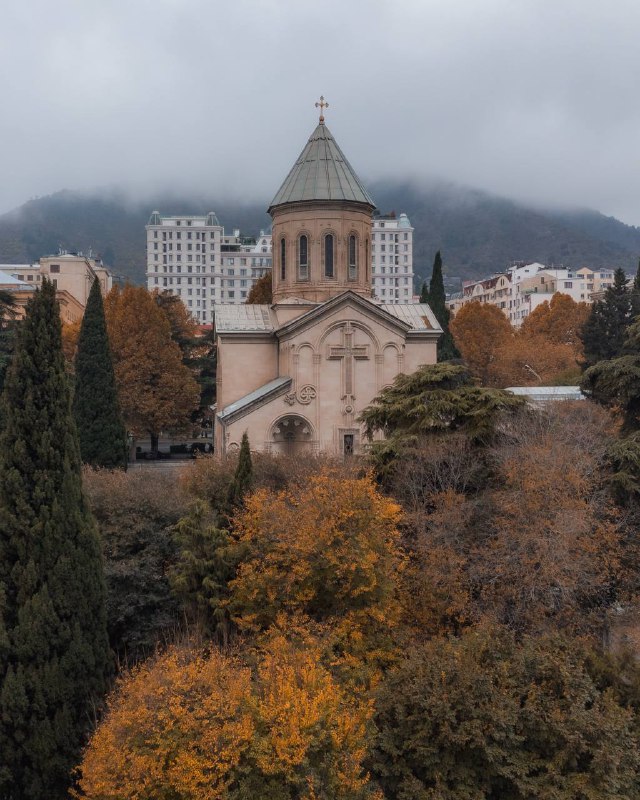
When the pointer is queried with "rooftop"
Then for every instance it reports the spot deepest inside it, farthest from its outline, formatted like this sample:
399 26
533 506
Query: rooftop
322 172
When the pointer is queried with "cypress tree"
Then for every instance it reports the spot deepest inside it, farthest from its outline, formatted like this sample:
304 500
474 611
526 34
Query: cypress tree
635 293
54 654
103 438
243 475
424 293
438 302
603 335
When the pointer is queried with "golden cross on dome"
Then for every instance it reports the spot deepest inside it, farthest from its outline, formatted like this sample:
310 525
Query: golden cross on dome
322 105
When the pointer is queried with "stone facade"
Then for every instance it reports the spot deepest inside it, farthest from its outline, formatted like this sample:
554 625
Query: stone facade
295 375
316 279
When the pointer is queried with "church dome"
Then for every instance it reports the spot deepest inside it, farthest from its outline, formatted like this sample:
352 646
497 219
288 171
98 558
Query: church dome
321 173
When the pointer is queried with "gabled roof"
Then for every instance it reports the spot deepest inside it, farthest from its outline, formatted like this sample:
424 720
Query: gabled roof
403 321
418 315
322 173
258 397
243 317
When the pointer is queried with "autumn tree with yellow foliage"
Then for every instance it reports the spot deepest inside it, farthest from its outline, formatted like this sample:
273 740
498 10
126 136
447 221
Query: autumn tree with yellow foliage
156 390
326 550
212 726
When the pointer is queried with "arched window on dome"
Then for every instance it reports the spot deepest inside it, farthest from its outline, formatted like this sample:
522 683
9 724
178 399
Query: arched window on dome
352 255
366 259
303 257
283 258
328 248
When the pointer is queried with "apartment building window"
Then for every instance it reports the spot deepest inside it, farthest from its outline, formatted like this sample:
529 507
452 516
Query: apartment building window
155 234
54 268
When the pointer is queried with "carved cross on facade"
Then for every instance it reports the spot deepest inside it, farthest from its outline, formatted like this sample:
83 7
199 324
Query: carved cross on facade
322 105
347 353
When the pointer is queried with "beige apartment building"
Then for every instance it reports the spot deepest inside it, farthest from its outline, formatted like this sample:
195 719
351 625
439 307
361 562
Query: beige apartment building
522 288
72 275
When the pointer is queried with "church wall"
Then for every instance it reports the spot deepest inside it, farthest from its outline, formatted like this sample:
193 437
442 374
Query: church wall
315 220
244 366
418 353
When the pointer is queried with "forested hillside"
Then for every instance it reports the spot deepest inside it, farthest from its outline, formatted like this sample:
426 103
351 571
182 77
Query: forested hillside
477 232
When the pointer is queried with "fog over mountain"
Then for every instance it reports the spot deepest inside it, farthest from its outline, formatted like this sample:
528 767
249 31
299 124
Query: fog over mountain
534 100
477 232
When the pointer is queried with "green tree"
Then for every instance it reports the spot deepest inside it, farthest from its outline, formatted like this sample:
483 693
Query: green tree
103 438
635 293
485 717
437 299
243 476
616 382
205 565
604 332
424 293
435 399
54 654
8 310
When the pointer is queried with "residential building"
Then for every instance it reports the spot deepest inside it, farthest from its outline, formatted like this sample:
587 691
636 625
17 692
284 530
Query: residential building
392 258
193 258
72 275
523 287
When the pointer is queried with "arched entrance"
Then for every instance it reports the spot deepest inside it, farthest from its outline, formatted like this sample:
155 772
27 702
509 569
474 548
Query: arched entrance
291 435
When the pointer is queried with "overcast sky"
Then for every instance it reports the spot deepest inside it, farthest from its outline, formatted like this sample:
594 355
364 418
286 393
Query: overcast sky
532 99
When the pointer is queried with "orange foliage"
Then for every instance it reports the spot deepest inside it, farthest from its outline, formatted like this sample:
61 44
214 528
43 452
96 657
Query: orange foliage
479 331
187 725
156 391
262 290
325 550
559 321
528 359
175 727
70 336
545 350
183 325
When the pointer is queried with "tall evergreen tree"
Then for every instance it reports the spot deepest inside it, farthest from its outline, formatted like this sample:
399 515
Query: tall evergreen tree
54 654
103 438
438 302
243 476
635 293
604 332
424 293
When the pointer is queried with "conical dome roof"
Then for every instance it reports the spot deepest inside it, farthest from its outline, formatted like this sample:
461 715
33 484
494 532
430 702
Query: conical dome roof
321 173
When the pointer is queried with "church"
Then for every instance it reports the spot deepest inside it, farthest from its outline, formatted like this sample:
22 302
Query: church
296 374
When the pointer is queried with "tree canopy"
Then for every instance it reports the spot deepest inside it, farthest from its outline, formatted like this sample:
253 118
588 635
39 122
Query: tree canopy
479 331
434 399
157 391
54 655
96 409
262 290
604 331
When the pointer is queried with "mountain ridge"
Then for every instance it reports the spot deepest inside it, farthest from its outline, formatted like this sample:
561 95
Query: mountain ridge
478 233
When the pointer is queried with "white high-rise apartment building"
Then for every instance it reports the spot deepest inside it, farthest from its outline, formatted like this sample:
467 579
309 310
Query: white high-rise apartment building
392 259
193 258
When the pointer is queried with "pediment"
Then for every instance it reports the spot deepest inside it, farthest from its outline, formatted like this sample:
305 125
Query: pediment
347 299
